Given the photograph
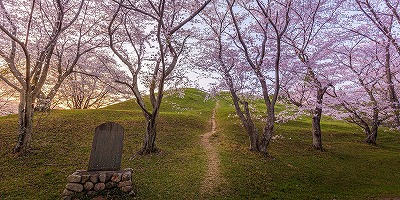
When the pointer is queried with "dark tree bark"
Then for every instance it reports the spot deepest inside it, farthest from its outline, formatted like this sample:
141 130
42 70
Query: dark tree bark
246 120
25 121
268 131
149 142
244 114
316 129
316 120
373 134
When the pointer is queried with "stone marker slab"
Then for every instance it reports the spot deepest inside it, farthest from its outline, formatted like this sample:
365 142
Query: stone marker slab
107 146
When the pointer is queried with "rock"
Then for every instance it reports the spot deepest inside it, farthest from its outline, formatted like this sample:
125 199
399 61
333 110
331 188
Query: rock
107 147
116 177
126 176
67 198
94 178
74 178
103 177
88 185
99 186
126 189
91 193
67 192
76 187
85 178
125 183
108 177
111 184
129 169
132 193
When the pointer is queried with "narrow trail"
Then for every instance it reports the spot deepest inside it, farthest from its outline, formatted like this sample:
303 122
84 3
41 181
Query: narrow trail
213 176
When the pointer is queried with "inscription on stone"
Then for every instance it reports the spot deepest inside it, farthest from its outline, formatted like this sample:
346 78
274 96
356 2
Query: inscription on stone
107 146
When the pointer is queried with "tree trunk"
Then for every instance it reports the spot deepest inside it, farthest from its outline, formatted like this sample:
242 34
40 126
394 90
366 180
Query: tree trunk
250 128
25 121
316 129
372 134
149 145
244 116
316 121
268 131
43 102
43 105
248 123
253 136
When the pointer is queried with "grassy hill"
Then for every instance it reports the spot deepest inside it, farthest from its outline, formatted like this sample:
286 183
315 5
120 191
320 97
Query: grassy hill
349 169
62 144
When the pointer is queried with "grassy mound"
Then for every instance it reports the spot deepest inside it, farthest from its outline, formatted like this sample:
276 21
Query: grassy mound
348 169
62 144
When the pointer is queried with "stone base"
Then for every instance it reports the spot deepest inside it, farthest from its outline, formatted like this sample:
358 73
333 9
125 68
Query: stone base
91 182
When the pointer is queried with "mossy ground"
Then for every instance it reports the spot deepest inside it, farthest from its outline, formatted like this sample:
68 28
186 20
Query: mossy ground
348 169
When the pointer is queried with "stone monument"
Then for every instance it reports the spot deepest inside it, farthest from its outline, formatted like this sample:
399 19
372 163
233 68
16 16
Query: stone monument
104 171
107 147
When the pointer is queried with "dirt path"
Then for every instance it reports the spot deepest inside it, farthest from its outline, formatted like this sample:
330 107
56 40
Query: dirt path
213 176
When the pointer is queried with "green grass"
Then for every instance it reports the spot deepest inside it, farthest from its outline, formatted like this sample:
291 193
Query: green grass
348 169
62 143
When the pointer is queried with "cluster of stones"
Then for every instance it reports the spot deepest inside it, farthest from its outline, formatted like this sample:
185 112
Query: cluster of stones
91 182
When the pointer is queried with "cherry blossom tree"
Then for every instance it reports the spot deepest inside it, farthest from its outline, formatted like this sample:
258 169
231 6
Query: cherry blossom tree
377 21
218 55
310 36
149 38
260 27
91 83
383 15
85 36
362 97
29 31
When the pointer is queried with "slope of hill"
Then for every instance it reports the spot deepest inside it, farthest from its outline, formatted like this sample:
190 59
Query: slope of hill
348 169
62 143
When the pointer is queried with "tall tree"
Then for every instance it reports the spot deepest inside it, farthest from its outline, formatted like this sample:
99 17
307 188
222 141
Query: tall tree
362 96
29 33
85 36
310 39
218 54
150 37
384 17
261 45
